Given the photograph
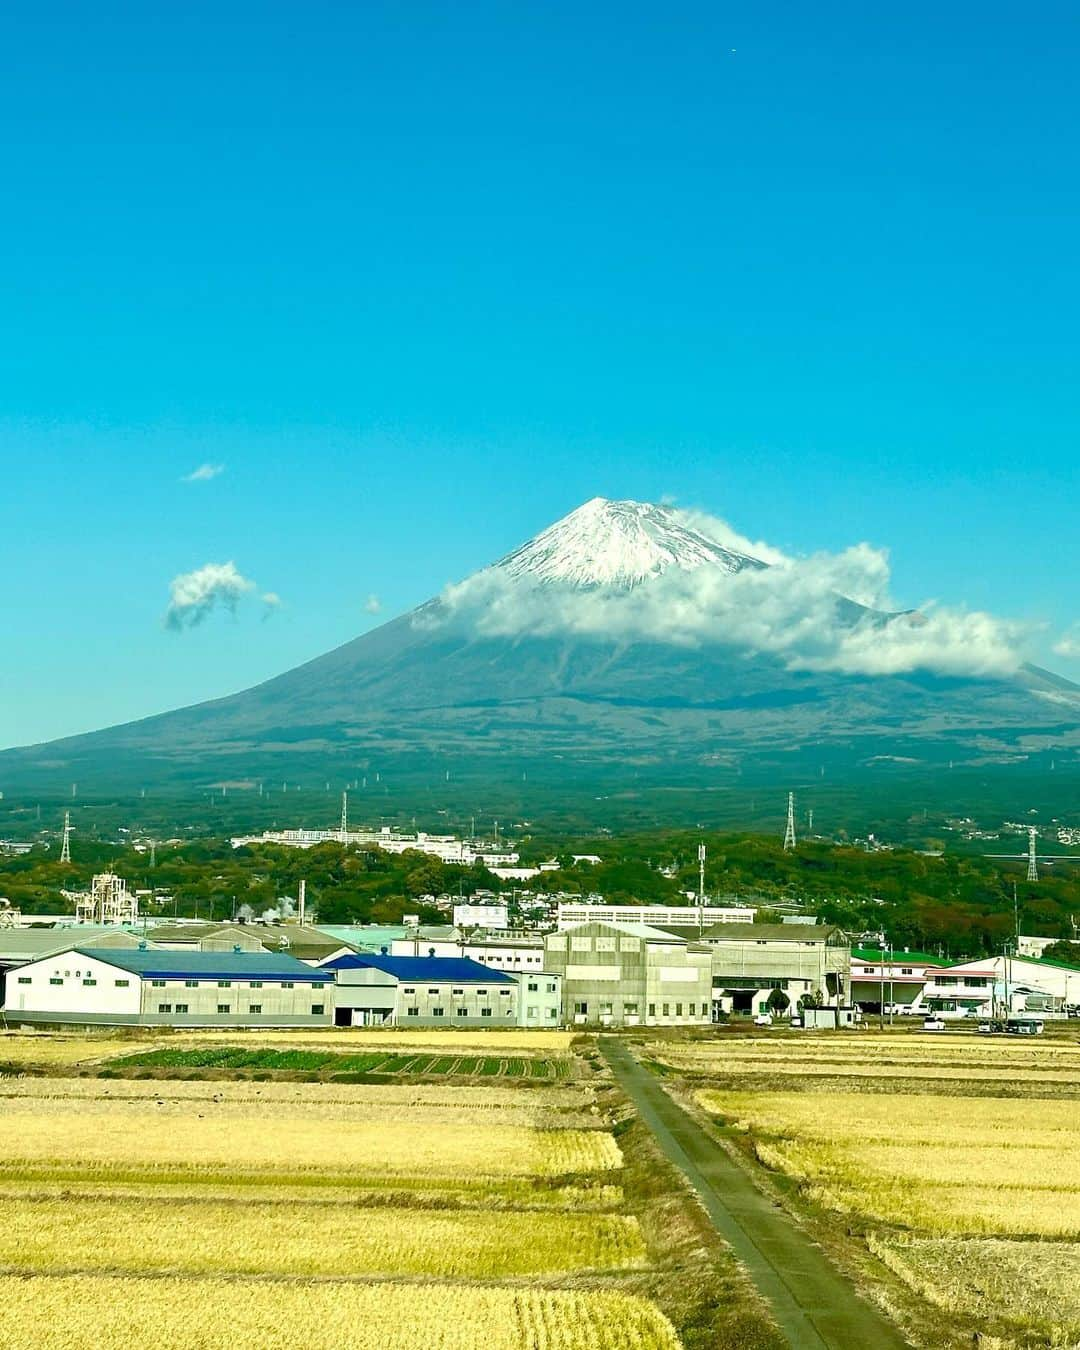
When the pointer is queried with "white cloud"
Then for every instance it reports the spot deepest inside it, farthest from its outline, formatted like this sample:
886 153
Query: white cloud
272 602
203 473
373 605
800 610
193 595
720 532
1068 644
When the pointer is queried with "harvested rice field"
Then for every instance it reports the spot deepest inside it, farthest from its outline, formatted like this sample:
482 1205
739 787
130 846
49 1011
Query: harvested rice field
949 1162
80 1311
393 1213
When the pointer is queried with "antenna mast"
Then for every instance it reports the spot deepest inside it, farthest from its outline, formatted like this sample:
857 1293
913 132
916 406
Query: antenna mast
1033 863
345 816
789 833
65 847
701 886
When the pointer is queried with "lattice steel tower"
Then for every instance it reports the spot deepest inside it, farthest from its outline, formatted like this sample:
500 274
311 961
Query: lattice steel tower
789 833
1033 862
65 847
345 816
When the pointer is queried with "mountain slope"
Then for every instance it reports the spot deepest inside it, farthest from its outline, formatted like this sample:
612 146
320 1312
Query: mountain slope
434 688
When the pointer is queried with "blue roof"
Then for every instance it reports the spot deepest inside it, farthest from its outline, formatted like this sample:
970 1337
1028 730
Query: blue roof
166 965
438 969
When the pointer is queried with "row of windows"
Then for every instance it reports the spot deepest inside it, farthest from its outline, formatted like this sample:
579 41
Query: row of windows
316 1008
458 1012
228 984
631 1010
456 993
600 944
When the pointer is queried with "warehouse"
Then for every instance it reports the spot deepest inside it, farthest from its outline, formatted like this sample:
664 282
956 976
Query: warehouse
443 991
144 987
628 974
772 966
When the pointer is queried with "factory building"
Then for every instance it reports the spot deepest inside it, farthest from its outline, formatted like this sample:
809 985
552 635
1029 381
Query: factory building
571 912
439 991
146 987
763 966
629 974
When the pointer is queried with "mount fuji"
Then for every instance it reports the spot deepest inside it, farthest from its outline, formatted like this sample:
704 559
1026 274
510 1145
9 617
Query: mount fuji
627 639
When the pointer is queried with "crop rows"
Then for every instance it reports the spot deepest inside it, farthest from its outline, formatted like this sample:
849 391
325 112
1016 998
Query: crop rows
110 1312
327 1061
204 1237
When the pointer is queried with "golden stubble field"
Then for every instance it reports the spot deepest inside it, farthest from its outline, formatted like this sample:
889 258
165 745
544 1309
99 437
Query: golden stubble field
267 1213
955 1156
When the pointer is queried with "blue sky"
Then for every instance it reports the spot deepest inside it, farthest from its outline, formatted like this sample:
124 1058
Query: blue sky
423 278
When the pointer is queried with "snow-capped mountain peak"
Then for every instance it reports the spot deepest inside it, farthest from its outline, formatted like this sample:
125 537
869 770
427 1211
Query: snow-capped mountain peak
619 544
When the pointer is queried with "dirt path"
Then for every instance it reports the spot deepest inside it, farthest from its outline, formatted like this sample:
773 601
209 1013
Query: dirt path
815 1306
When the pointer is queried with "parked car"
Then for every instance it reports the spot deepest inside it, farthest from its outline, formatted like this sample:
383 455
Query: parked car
933 1024
991 1027
763 1019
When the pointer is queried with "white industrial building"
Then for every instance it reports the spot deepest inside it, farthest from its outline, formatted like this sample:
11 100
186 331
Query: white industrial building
509 950
656 916
149 987
440 991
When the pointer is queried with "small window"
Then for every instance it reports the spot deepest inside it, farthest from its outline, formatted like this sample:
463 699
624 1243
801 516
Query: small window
458 993
629 1009
463 1012
652 1009
181 1007
256 984
255 1008
164 1007
667 1009
505 993
534 988
158 984
551 1014
191 984
56 979
408 990
432 992
223 1008
85 982
317 1009
25 979
122 984
481 993
605 1009
288 984
533 1013
581 1009
436 1012
581 944
550 986
605 944
629 944
485 1012
412 1012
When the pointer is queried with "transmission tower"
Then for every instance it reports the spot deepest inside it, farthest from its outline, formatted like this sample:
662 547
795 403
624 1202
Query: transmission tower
1033 864
701 873
65 847
789 833
345 816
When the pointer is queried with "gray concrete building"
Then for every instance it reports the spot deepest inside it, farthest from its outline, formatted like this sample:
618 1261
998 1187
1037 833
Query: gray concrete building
752 964
629 974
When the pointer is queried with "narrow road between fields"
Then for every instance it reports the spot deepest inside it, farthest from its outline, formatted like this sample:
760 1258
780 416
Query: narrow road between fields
815 1306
